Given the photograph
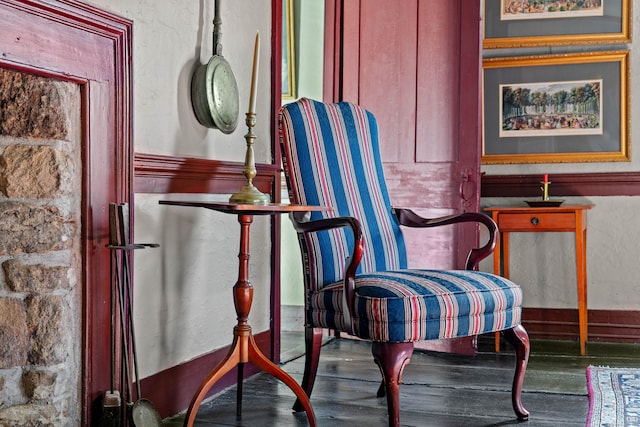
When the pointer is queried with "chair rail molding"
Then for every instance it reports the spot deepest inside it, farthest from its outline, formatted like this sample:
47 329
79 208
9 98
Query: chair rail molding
565 184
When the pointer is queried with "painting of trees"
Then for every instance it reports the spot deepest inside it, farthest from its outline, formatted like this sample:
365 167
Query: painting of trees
551 108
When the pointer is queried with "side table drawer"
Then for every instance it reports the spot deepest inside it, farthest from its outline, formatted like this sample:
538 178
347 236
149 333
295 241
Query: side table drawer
536 221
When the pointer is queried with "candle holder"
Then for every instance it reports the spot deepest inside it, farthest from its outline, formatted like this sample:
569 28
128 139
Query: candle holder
546 201
545 189
249 194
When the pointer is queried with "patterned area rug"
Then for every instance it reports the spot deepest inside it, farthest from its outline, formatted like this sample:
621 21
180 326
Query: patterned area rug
614 397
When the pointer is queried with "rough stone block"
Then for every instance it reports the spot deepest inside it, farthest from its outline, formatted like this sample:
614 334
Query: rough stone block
48 323
32 106
31 415
30 172
39 385
26 228
38 278
14 334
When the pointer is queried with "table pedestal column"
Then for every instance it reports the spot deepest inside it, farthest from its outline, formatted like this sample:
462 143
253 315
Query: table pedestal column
244 348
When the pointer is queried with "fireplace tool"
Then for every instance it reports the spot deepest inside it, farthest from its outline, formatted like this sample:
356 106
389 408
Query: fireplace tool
112 400
141 412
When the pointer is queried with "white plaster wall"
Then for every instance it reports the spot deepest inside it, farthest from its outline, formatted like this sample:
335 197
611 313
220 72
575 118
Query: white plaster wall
309 23
171 38
183 300
544 263
183 290
309 16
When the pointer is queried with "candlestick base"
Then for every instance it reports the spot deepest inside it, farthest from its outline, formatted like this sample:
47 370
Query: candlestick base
249 194
549 203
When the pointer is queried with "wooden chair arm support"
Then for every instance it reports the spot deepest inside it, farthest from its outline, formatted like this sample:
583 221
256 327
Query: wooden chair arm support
409 218
302 224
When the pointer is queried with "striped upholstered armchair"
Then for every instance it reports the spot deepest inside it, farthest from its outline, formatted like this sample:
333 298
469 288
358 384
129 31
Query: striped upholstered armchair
355 262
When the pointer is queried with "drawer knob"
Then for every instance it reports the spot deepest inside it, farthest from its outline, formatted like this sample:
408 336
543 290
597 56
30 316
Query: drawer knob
535 220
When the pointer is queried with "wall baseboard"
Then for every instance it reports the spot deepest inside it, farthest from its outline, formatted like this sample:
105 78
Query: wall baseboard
616 326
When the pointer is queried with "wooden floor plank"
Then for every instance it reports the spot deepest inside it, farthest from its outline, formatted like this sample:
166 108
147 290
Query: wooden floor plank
439 390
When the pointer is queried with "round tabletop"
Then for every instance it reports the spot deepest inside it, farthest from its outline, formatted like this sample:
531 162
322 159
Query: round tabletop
240 208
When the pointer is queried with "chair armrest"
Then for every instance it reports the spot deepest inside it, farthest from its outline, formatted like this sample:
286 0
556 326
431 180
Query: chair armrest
409 218
302 224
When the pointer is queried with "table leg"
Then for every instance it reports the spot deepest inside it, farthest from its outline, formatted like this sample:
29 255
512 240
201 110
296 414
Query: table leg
581 270
260 360
497 251
244 348
501 251
239 389
228 363
505 255
496 270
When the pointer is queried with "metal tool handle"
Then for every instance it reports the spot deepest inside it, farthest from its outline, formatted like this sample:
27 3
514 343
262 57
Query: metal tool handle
217 30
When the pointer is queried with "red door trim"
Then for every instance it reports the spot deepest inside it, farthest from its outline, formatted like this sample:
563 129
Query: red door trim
276 102
100 61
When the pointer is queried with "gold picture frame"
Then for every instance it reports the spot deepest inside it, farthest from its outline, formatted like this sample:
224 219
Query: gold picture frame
288 52
525 121
569 26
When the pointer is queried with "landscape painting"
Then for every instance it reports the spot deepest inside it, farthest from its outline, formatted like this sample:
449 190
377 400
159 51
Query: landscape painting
551 109
541 9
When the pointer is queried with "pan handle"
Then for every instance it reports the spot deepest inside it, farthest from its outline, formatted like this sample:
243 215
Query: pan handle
217 30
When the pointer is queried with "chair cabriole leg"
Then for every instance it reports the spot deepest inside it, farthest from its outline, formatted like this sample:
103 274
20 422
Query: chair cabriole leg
391 359
519 338
312 343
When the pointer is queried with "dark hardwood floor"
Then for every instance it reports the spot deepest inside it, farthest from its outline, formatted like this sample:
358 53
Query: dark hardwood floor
439 390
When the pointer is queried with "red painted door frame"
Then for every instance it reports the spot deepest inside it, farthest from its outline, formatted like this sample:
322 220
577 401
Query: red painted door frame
92 48
276 102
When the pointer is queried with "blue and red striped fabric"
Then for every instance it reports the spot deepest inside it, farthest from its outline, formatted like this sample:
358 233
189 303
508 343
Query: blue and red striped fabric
415 305
335 147
331 158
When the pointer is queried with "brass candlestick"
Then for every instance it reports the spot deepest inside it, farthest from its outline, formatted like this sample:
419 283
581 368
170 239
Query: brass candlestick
545 189
249 194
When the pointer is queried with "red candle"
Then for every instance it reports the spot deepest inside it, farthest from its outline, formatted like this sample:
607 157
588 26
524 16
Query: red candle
545 178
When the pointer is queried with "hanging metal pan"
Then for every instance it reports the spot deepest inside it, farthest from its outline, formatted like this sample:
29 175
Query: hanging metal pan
214 90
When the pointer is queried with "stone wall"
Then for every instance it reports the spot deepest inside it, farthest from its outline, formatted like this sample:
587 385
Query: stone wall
40 292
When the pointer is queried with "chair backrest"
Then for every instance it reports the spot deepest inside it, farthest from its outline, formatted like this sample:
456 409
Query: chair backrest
331 158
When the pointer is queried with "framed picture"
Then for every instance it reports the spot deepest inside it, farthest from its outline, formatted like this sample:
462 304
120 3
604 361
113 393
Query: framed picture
288 49
555 108
526 23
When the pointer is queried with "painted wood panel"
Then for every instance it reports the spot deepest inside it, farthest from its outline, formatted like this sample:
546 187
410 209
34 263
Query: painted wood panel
387 73
438 82
416 66
71 41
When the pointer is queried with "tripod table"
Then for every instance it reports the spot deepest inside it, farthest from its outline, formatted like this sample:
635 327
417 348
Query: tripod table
244 348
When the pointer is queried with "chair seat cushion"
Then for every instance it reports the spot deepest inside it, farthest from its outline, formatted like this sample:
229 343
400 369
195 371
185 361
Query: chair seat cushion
415 305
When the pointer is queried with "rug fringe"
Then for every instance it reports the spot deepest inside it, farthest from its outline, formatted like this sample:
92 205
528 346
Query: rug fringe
613 396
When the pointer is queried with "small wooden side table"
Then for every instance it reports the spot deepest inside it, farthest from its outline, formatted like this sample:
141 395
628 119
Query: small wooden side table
569 218
244 348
